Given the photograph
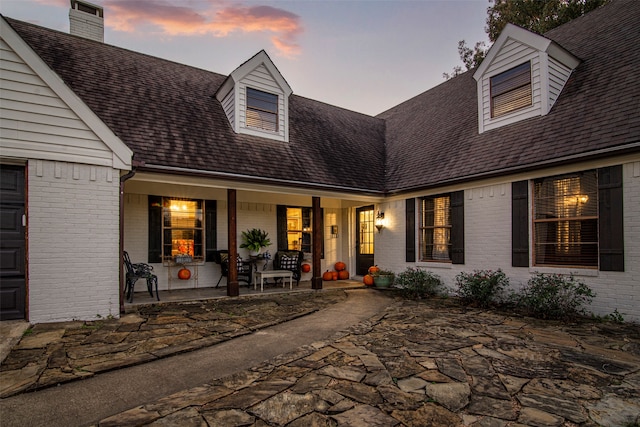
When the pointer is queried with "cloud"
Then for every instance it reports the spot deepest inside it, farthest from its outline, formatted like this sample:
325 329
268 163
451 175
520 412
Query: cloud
285 27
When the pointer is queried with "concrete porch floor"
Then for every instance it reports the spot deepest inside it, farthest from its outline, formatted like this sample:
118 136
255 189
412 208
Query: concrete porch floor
142 297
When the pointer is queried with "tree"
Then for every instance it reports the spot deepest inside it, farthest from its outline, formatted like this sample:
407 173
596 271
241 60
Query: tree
538 16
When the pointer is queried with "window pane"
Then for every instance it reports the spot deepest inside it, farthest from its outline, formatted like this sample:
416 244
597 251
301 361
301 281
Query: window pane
262 110
435 229
182 223
566 221
511 90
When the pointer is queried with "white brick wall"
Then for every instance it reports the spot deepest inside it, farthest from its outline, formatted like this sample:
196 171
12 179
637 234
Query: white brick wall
73 234
488 246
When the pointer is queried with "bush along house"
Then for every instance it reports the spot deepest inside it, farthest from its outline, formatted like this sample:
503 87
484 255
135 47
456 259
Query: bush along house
528 163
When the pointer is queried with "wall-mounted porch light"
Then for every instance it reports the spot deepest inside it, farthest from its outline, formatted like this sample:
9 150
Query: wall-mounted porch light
379 221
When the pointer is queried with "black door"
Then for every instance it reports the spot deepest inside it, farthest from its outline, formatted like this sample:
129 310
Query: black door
365 226
12 243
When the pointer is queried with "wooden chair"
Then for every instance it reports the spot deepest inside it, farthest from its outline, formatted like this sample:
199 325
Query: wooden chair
289 260
139 271
244 268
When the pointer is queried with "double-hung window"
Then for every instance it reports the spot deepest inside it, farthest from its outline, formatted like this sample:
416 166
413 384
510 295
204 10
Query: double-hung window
182 227
566 220
511 90
435 228
262 110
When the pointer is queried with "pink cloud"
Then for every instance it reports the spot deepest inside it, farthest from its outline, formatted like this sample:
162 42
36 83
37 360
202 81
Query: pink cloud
284 27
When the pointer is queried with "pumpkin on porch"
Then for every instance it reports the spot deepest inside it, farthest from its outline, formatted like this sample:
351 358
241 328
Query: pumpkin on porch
305 268
184 274
368 280
339 266
374 269
327 276
334 275
343 274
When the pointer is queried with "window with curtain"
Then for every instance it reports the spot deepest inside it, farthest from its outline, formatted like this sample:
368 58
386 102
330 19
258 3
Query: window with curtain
262 110
182 227
435 228
566 220
511 90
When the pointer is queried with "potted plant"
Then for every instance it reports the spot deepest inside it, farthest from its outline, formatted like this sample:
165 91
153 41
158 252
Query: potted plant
254 240
383 278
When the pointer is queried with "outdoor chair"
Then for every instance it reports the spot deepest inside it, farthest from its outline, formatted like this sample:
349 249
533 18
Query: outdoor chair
139 271
244 268
289 260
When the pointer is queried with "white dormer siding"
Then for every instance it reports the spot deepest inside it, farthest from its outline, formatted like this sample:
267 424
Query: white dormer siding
551 67
258 73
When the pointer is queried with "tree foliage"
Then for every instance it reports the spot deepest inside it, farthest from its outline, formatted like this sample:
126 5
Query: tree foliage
538 16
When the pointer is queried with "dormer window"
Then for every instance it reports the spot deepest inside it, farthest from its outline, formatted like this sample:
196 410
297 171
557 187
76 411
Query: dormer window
262 110
521 77
511 90
255 98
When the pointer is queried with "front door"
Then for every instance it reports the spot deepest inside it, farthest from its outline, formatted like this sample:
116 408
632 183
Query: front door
365 226
12 243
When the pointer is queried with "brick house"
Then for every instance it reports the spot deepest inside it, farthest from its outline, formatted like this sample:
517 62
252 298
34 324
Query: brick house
528 163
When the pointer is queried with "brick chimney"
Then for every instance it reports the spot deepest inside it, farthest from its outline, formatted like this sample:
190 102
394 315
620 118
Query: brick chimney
86 20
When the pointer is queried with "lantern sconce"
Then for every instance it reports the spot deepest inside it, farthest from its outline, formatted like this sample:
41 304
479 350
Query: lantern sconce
379 221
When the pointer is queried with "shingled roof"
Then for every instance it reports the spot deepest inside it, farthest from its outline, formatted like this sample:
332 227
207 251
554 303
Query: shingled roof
433 140
168 115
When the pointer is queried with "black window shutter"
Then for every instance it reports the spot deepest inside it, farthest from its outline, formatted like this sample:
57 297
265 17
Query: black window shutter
211 234
520 224
155 229
457 227
281 212
610 217
322 233
410 222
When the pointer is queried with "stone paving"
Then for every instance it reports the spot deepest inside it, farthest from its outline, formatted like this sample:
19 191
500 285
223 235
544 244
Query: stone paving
425 363
53 353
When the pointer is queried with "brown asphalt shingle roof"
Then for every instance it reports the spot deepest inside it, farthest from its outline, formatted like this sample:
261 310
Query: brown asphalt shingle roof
432 139
168 115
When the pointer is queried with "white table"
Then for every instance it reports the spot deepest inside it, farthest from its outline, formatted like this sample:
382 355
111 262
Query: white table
264 274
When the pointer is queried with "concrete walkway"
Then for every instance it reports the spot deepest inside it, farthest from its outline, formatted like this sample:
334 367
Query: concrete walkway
84 402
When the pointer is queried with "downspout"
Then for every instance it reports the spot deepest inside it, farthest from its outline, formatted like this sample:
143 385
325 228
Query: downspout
123 178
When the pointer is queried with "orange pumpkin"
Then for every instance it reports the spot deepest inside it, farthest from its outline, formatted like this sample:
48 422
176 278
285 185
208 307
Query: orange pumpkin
340 266
343 274
306 268
368 280
184 274
327 276
334 275
374 269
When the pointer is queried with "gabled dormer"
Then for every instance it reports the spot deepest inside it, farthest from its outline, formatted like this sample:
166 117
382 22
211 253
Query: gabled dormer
255 98
521 77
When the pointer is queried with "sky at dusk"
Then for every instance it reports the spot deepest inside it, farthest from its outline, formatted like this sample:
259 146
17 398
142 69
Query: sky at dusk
363 55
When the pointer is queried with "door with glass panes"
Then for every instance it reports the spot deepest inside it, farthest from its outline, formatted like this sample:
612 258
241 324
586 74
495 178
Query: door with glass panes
365 226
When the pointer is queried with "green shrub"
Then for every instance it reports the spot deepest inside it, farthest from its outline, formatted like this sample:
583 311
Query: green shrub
555 296
482 287
417 283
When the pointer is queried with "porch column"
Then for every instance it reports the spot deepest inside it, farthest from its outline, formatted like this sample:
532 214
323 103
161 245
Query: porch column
316 280
233 288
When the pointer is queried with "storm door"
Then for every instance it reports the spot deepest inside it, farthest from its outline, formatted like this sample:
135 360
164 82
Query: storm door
12 243
365 227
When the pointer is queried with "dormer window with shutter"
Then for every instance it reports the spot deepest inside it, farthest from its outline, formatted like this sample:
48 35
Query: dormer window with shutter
255 98
521 77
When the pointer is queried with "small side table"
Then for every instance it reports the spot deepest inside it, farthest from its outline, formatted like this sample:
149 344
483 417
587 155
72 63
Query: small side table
261 275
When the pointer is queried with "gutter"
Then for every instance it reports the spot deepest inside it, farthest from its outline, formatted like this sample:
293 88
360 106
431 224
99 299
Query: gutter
123 178
605 152
259 180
